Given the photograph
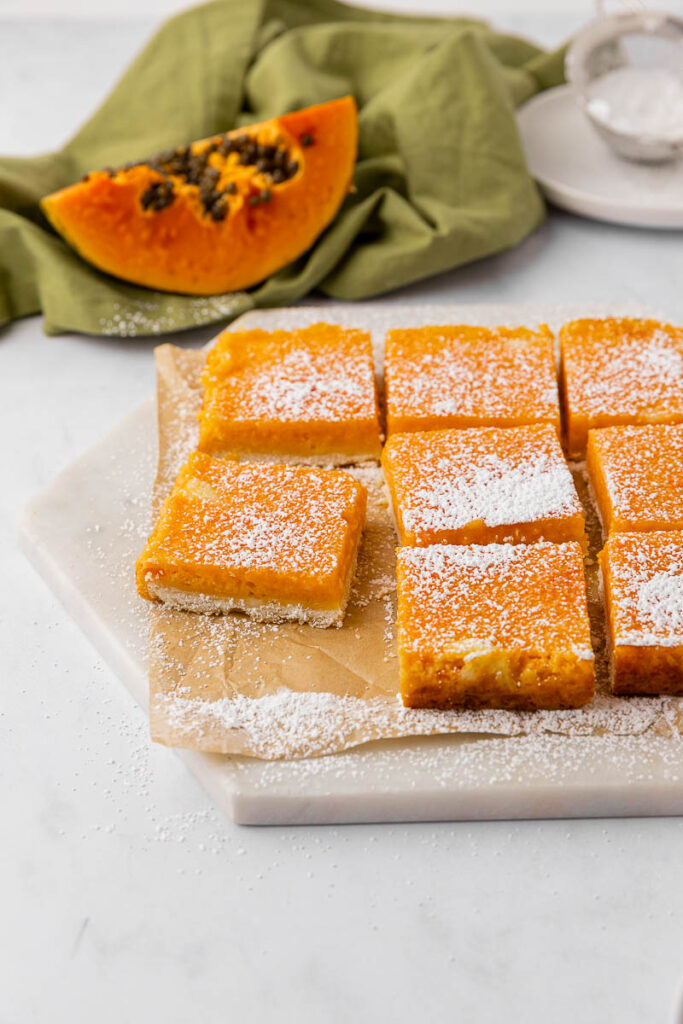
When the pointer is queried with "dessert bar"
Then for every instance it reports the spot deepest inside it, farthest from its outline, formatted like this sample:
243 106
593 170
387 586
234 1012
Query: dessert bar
643 579
276 542
306 396
482 485
495 626
460 376
619 371
637 476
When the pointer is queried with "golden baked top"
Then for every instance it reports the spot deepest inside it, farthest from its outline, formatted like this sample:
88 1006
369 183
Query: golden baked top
229 521
495 596
620 370
307 391
637 474
443 480
644 577
460 376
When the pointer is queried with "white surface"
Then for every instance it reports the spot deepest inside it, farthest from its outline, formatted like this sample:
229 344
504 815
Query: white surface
126 896
579 172
84 532
498 9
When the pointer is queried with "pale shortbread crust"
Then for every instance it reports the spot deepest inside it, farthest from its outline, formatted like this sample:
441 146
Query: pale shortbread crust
259 611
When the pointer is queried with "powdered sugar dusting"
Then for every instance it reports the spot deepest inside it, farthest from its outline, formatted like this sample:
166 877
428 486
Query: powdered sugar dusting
303 389
322 373
646 587
641 468
444 480
159 313
293 724
660 601
475 374
494 492
497 767
483 597
227 515
623 367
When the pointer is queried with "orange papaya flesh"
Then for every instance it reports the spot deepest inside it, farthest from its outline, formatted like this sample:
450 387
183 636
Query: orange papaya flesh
220 214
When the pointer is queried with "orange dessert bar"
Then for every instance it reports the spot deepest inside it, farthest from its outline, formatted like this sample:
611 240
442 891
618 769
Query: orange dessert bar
618 371
300 396
459 376
483 485
276 542
643 579
494 626
637 476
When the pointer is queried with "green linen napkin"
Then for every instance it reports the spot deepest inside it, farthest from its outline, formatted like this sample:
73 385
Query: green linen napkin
441 177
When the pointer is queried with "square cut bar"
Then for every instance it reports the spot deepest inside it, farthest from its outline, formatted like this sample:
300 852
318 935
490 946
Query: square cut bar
460 376
643 579
306 396
494 626
277 542
619 371
483 485
637 477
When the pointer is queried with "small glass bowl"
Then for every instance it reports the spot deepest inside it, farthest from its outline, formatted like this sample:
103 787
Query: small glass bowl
651 40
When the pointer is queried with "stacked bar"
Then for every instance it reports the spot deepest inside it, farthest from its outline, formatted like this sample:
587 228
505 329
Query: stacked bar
253 523
492 607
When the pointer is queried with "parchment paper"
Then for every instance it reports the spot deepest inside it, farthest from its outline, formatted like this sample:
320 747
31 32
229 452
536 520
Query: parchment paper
228 685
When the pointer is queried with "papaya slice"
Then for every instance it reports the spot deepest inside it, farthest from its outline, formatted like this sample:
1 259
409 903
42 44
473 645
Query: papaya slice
220 214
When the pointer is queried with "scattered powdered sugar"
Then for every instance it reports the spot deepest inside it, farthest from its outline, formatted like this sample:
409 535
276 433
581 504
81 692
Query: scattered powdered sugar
493 596
658 360
134 317
626 373
259 516
292 724
302 388
646 573
444 480
480 765
660 601
492 491
321 373
443 559
454 375
641 470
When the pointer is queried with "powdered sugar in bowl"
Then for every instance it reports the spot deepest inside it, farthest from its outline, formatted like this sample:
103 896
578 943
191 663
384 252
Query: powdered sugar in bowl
627 71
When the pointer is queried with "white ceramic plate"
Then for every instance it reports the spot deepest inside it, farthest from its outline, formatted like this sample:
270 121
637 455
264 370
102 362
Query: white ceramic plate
578 172
84 531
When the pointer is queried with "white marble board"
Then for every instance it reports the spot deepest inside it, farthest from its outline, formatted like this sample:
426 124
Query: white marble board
83 533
